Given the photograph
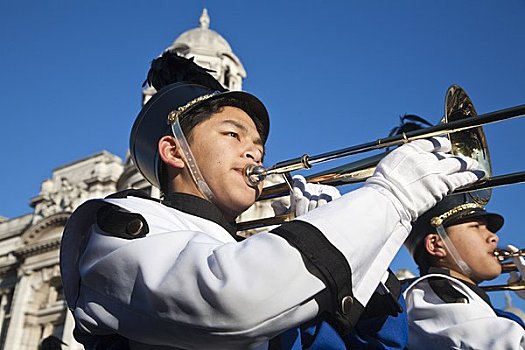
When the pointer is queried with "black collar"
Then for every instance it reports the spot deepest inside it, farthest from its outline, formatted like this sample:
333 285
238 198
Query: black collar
200 207
445 290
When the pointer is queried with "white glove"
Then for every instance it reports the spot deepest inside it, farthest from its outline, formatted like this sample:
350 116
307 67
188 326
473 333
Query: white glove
305 197
420 173
517 277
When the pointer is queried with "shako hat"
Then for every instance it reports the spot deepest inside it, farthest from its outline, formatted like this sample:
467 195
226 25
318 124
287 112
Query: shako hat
452 209
181 85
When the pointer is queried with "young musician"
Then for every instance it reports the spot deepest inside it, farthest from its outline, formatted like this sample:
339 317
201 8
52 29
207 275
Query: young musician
453 244
143 274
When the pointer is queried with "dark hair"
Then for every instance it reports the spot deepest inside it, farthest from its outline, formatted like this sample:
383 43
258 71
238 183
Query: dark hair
202 112
51 343
206 109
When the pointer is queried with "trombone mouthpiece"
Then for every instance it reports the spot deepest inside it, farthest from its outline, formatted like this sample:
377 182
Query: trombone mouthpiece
254 174
504 254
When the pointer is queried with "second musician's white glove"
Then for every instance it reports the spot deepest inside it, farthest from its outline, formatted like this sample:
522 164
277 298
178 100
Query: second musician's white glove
420 173
305 197
517 277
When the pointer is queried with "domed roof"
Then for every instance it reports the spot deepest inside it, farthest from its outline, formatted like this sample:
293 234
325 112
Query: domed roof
202 39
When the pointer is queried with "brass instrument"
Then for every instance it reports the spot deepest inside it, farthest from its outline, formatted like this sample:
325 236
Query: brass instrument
458 118
502 287
508 267
461 123
502 255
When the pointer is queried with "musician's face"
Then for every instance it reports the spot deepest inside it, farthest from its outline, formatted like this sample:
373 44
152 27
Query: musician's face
223 145
476 244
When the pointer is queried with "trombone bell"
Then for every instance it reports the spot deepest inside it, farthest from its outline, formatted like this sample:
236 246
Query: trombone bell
470 143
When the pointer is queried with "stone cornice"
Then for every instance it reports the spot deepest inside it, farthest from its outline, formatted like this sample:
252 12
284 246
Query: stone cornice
107 180
36 230
37 248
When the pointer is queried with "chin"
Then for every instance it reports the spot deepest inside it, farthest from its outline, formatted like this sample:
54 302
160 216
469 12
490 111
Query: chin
491 273
237 205
242 206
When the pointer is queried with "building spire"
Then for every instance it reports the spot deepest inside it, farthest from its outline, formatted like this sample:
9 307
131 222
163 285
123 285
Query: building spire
205 19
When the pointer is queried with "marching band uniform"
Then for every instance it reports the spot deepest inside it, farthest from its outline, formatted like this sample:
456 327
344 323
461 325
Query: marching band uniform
183 279
141 274
445 312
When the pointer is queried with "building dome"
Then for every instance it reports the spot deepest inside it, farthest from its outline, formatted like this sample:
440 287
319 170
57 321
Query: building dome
202 40
211 51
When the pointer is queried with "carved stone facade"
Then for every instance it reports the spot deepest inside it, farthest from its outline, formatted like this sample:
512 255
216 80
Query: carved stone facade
32 304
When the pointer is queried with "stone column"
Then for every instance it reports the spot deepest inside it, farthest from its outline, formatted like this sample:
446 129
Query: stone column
20 300
3 303
32 337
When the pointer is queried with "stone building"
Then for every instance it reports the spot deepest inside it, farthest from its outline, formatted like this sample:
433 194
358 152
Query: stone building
32 304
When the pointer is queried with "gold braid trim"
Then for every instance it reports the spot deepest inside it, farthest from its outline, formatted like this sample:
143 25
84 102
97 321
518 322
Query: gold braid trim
438 220
173 115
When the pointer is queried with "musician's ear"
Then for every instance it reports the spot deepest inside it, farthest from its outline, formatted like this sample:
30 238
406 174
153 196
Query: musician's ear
434 245
170 153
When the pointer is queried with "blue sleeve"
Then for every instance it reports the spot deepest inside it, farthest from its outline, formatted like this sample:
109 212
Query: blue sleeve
316 336
387 332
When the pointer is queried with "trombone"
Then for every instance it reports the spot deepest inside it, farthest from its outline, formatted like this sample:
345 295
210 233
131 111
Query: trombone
461 123
502 255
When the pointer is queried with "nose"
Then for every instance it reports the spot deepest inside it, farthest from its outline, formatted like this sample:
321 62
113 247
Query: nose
253 153
493 238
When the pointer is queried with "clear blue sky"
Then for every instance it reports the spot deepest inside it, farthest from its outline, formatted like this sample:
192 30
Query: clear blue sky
333 74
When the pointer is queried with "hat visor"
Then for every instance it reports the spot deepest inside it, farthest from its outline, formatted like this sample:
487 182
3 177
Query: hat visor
494 221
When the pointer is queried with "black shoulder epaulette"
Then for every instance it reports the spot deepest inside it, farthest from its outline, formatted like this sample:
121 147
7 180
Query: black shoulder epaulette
131 192
446 292
119 222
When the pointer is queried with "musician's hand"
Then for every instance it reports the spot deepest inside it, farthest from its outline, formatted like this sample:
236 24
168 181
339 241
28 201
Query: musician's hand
517 277
420 173
305 197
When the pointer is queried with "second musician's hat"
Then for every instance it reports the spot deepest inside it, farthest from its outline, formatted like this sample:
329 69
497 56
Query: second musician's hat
451 210
181 86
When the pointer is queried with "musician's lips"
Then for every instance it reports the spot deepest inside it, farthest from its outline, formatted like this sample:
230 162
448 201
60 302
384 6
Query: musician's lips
254 186
240 171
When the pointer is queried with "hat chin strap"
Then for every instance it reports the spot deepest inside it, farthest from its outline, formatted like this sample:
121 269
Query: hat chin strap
449 246
196 175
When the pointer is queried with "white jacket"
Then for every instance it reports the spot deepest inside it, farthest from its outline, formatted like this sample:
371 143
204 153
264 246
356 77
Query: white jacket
188 284
468 322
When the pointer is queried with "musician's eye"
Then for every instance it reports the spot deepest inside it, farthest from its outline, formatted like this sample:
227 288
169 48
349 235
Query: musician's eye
233 134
